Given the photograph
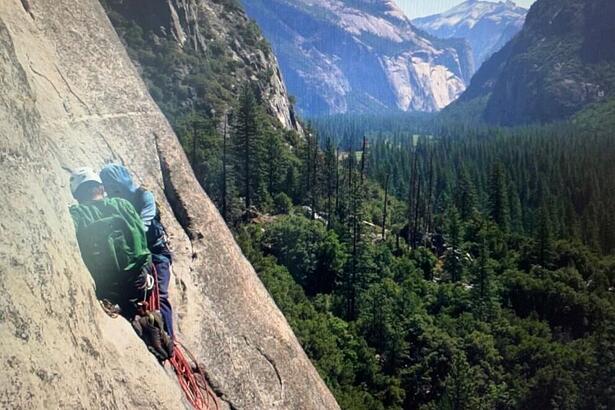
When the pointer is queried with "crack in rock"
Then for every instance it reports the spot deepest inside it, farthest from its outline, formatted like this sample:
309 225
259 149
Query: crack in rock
271 363
71 89
27 7
35 71
40 74
179 209
177 206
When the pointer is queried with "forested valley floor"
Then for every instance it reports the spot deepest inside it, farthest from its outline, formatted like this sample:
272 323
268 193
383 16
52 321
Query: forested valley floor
427 265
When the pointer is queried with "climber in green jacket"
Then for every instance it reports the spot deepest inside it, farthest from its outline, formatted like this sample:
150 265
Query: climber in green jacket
112 241
114 247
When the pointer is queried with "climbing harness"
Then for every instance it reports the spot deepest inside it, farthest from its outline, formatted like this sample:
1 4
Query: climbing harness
192 378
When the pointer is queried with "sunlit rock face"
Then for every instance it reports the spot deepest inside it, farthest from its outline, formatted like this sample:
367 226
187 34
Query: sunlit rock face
341 56
486 25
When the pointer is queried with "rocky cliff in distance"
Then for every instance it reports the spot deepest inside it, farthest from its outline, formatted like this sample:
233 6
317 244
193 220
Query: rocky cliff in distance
562 61
340 56
486 25
214 49
70 96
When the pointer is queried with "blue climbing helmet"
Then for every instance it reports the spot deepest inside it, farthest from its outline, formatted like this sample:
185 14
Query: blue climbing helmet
118 182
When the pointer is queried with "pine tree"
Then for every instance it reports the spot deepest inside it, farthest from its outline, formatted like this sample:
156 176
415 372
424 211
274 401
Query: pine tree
363 160
453 261
499 208
428 212
358 272
274 162
355 237
465 194
317 165
385 207
543 236
483 291
330 179
412 197
224 183
460 386
311 170
516 211
247 146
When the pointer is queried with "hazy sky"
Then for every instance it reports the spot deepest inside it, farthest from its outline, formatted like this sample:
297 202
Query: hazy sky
420 8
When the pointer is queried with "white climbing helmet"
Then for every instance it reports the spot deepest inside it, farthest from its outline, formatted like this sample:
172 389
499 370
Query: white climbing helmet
82 175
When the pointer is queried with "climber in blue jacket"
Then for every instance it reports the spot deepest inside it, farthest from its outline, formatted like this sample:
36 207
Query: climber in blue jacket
119 183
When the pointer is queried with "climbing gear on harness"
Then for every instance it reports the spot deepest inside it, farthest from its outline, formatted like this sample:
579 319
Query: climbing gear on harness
147 286
150 282
192 379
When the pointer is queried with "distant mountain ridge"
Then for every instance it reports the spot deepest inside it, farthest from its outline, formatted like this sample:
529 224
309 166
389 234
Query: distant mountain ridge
340 56
562 61
487 26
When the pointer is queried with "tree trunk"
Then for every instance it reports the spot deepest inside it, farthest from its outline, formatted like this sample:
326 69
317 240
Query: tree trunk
384 213
247 164
224 187
416 214
411 198
363 156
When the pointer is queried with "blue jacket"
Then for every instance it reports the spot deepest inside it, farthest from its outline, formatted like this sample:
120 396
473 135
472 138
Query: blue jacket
119 183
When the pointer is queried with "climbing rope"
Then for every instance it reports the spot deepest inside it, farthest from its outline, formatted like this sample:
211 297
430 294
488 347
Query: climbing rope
192 380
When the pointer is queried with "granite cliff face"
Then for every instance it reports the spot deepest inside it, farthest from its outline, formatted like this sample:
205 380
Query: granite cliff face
214 34
487 26
341 56
562 61
70 96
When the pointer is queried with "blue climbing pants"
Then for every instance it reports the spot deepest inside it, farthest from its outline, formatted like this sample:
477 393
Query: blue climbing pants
163 268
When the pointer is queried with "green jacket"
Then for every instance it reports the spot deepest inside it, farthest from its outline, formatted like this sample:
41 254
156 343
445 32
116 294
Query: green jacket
112 240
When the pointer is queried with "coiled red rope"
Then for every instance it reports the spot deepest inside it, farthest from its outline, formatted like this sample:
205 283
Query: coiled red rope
191 385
